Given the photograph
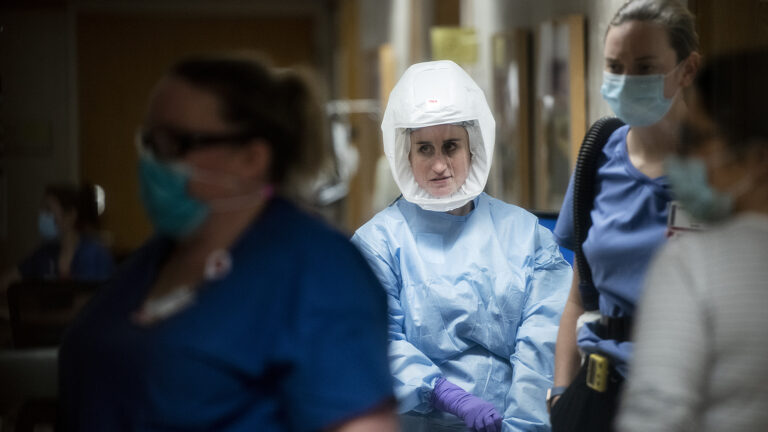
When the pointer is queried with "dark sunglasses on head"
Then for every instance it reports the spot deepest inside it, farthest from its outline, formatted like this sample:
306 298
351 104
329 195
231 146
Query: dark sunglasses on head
170 144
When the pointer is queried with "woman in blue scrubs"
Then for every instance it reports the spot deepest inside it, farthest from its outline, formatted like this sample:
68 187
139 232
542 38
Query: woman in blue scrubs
234 316
650 58
475 285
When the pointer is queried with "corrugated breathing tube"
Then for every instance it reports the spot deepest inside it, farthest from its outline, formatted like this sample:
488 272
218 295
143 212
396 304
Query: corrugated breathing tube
583 200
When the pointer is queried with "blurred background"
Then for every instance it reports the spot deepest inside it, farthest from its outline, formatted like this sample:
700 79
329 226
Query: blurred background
75 76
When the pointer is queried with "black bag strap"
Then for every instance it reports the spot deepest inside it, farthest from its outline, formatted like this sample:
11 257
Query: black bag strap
584 199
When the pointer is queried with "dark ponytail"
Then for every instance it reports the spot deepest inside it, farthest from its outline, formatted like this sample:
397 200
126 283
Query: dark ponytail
304 117
279 106
732 90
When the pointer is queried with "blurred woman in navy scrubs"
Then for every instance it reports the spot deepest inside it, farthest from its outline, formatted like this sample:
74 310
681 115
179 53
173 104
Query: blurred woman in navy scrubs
243 312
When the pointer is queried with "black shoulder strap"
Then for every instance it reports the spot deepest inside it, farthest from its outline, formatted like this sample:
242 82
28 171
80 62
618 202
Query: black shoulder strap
584 198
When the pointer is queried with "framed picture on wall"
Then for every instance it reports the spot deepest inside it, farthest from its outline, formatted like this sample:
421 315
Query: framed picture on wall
559 108
511 175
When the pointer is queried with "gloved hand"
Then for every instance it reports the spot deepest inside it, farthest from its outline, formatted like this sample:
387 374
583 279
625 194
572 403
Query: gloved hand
478 415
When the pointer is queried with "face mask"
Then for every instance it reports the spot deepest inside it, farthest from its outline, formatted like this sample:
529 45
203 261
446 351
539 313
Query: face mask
164 194
638 100
46 225
688 178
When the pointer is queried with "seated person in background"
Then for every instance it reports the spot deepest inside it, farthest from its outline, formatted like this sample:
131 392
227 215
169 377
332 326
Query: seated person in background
701 348
475 285
68 223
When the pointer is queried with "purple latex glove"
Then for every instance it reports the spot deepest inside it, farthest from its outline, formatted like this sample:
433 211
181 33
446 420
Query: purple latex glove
478 415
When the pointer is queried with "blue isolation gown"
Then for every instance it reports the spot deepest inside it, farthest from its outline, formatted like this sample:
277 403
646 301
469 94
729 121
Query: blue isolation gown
476 299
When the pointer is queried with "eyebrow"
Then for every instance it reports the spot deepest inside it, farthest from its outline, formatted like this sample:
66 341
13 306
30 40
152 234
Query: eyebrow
444 141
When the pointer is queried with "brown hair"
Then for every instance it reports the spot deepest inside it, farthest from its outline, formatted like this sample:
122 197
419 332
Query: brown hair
280 106
670 14
732 90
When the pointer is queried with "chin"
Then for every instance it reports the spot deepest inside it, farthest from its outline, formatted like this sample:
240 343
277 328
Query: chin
441 193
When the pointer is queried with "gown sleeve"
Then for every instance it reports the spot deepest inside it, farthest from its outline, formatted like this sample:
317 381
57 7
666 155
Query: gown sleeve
533 357
414 373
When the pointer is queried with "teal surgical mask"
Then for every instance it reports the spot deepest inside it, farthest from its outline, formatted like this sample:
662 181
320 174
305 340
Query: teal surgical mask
690 186
46 225
638 100
172 211
169 206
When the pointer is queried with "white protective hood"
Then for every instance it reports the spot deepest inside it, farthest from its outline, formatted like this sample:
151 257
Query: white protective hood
429 94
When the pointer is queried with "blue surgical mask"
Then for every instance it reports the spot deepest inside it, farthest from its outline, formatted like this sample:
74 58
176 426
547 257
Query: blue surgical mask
688 178
638 100
171 209
46 225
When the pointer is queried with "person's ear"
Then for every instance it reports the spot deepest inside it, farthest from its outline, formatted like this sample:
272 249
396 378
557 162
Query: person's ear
690 69
256 160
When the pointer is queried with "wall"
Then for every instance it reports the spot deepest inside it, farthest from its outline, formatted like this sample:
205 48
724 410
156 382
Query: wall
528 14
37 118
